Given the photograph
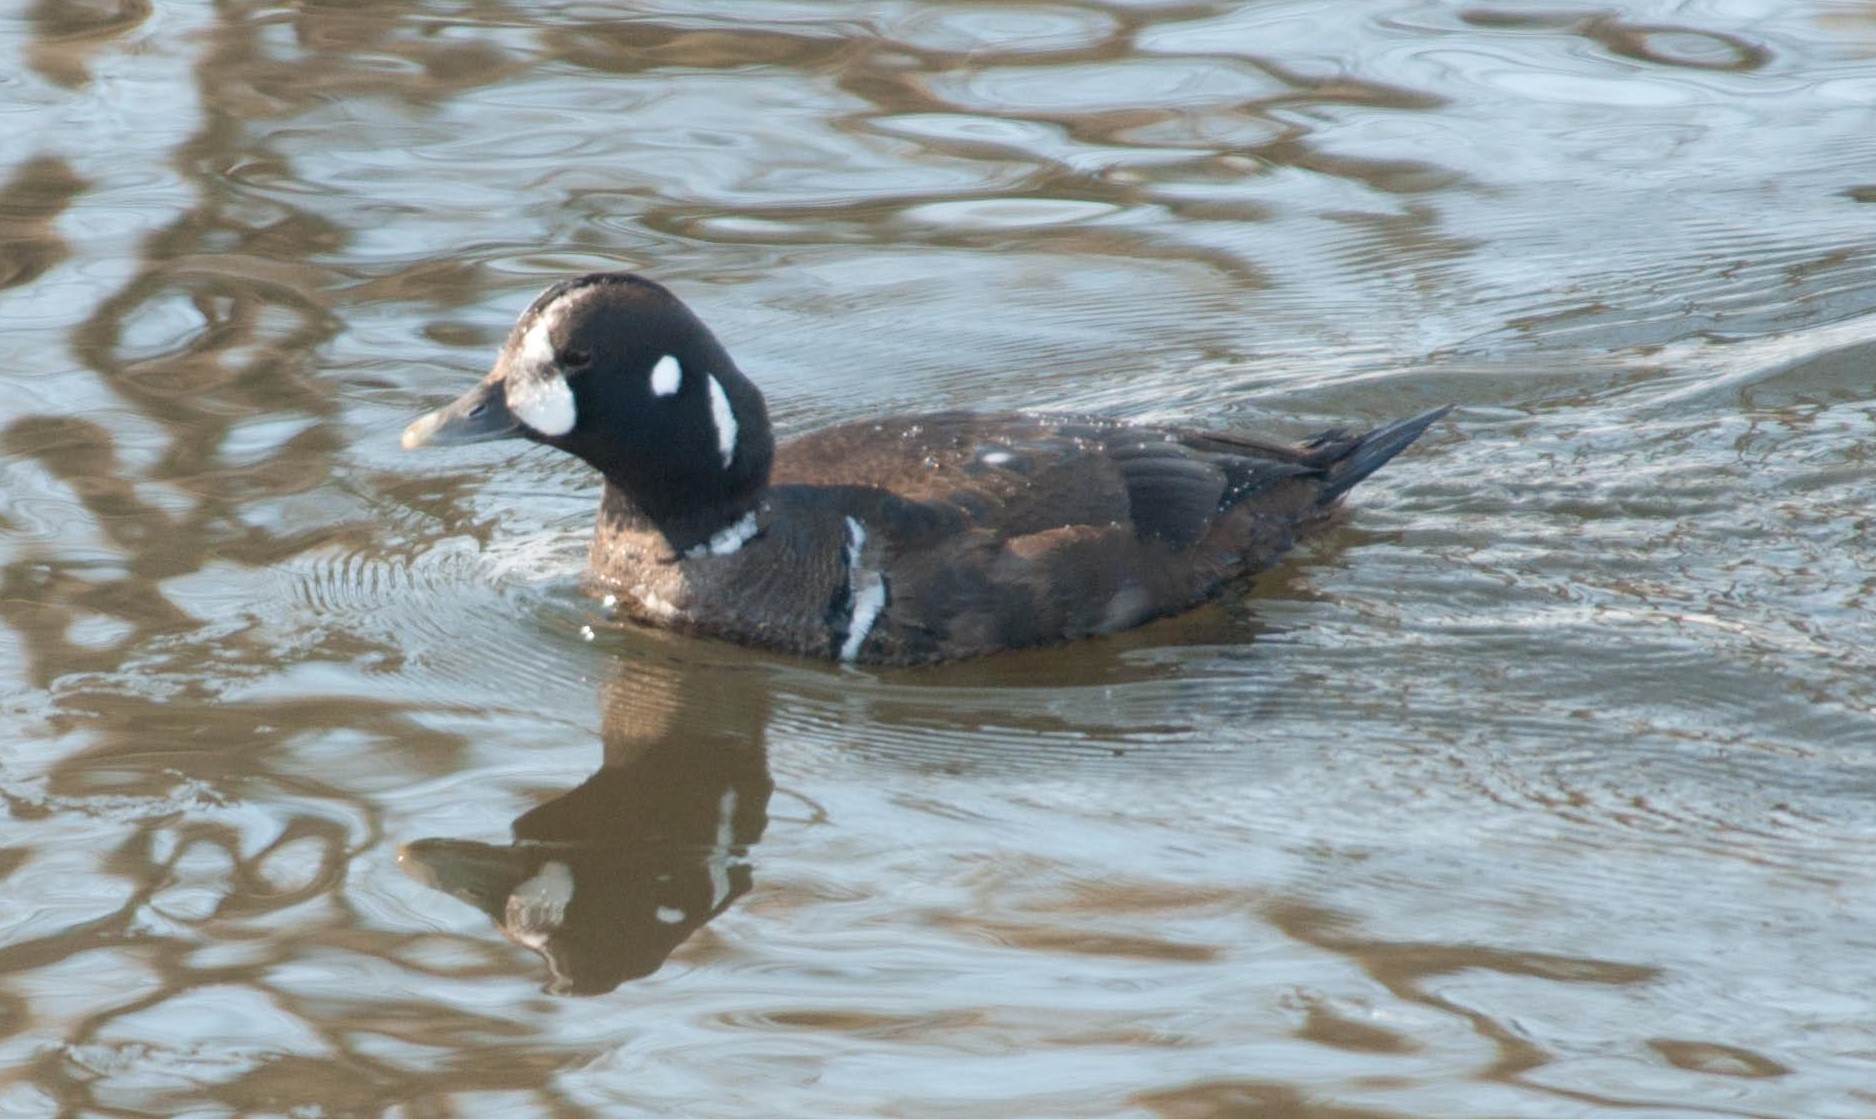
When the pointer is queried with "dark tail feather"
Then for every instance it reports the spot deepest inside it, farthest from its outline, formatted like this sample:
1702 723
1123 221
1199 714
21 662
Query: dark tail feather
1368 453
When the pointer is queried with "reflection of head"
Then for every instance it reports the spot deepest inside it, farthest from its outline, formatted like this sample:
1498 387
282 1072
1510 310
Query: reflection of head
606 880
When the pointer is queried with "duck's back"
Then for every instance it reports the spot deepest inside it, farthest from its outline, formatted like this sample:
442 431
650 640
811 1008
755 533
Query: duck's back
1018 474
968 533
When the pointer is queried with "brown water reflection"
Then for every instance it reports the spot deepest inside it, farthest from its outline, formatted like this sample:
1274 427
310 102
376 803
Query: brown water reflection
1544 787
38 192
608 878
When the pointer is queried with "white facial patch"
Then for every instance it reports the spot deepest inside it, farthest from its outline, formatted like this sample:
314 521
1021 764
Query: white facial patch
667 376
537 345
541 400
534 389
866 593
725 418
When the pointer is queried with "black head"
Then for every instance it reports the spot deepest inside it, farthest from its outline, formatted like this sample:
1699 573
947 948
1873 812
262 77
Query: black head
612 368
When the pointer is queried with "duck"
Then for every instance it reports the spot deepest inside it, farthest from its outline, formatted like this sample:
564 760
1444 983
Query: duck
905 539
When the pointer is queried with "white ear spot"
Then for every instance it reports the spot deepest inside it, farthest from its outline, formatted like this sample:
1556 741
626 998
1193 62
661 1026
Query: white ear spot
543 402
666 376
725 418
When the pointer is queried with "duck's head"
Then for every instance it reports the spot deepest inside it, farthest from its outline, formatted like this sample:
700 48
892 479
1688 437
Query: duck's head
614 369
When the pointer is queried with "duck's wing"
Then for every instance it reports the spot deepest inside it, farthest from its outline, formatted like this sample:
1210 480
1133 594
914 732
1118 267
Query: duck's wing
1017 475
970 533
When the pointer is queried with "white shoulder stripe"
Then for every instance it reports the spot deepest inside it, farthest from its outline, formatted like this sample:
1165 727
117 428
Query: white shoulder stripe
866 593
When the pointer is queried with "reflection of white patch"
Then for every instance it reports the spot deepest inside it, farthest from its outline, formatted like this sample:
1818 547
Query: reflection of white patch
726 541
1126 609
998 458
725 418
723 852
542 401
866 593
653 603
666 376
538 906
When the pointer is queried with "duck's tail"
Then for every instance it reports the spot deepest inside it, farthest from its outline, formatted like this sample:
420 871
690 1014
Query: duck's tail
1347 461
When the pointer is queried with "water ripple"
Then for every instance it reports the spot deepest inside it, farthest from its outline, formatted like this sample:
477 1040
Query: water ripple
1539 785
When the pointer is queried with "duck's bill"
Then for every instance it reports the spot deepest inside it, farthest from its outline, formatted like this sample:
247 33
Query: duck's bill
476 416
472 871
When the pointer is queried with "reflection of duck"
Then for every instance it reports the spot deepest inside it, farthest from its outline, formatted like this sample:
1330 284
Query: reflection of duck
911 538
605 881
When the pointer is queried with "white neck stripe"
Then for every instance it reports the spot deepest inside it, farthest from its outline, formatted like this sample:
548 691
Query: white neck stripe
725 419
727 541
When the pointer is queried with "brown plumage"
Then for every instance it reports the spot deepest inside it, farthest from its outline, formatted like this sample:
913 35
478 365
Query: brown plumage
900 540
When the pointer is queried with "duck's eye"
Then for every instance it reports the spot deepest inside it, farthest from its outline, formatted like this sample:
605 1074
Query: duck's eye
575 359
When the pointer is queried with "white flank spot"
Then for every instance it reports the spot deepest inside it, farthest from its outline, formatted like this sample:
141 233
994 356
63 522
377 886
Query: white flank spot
725 418
666 376
542 401
669 915
538 906
726 541
866 593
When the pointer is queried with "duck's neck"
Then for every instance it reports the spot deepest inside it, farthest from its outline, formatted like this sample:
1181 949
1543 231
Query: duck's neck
696 484
718 528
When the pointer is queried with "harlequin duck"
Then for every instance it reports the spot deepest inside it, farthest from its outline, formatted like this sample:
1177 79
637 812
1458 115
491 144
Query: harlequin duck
899 540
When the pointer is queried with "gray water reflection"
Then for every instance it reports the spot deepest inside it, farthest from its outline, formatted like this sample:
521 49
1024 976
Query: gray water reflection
1543 787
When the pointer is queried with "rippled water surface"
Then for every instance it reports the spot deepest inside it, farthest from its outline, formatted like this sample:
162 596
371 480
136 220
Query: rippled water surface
1546 786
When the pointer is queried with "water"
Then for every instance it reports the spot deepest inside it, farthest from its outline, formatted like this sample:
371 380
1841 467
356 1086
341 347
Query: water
1542 788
